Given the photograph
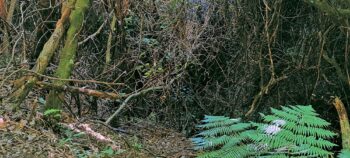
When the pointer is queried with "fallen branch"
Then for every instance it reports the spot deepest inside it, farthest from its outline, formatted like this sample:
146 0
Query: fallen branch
129 98
73 80
90 92
86 129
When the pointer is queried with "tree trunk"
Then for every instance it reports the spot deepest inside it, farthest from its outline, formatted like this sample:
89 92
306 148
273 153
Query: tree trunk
120 11
68 53
45 56
3 15
109 43
5 47
344 123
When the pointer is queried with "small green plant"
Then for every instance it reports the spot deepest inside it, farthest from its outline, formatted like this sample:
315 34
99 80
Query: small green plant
54 113
53 117
137 146
294 131
108 151
135 143
70 136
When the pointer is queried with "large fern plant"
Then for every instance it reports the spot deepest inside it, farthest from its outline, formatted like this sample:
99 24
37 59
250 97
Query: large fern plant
293 131
345 153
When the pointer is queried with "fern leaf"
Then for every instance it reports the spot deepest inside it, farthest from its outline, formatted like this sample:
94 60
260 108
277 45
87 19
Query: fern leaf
225 130
284 115
345 153
293 131
217 121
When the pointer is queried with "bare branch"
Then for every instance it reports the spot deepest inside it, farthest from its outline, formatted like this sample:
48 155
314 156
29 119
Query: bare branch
121 107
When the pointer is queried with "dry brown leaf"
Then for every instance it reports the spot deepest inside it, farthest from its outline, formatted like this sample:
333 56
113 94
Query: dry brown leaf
67 118
21 124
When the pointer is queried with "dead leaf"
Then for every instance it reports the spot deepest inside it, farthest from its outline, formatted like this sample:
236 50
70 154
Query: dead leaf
21 124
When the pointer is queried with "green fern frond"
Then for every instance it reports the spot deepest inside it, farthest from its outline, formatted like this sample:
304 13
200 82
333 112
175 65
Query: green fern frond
236 151
313 121
211 142
345 153
281 155
275 156
305 130
300 127
293 131
285 115
233 152
217 121
225 134
317 152
304 109
225 129
301 114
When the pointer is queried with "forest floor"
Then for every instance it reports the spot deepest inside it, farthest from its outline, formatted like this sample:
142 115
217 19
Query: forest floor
27 134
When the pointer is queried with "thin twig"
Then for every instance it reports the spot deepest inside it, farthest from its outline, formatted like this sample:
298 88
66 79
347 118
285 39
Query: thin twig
10 62
71 80
121 107
96 33
264 90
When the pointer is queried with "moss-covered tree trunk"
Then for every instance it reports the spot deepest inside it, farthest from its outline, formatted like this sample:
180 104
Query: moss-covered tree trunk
109 43
68 53
45 56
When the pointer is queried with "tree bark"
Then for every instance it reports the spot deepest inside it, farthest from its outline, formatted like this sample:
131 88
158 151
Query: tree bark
68 53
3 9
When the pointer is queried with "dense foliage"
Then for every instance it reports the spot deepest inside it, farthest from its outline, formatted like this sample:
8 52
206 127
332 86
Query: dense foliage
216 54
174 61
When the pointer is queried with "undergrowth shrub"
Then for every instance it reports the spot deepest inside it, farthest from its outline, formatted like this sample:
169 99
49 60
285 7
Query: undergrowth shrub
293 131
